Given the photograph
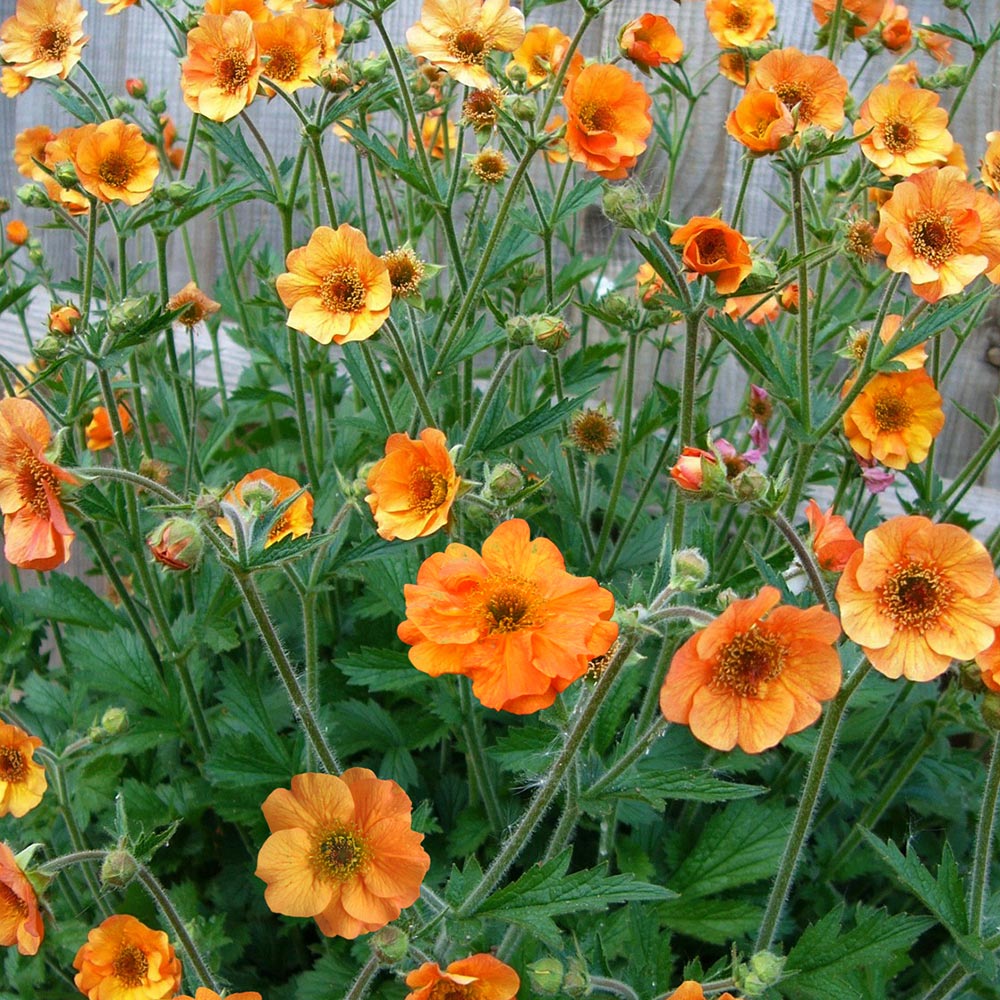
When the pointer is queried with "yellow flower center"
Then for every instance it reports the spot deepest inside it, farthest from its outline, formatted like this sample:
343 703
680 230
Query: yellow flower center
342 290
490 166
405 271
933 236
428 489
13 766
130 966
859 346
891 412
12 907
52 42
795 92
596 117
468 46
748 662
232 72
915 596
509 604
445 989
898 135
283 63
116 170
32 477
341 854
860 237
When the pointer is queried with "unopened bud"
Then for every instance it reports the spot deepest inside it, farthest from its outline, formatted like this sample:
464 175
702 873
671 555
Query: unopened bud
689 569
49 348
520 331
155 469
114 721
523 109
425 102
179 192
502 482
120 106
551 333
628 206
620 308
33 196
356 31
63 320
389 945
118 869
35 253
516 73
374 67
176 544
128 313
751 484
65 174
158 105
576 981
4 205
546 976
726 597
258 497
136 87
970 677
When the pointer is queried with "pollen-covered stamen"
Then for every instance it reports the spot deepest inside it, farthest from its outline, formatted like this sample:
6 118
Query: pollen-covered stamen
738 18
52 42
892 412
933 236
342 290
794 94
712 247
232 72
915 596
428 489
596 117
33 476
130 966
13 766
468 46
510 604
898 135
283 63
406 271
116 170
749 661
859 346
340 854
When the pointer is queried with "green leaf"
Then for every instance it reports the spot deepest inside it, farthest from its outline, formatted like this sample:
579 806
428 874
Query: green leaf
117 663
233 146
398 165
656 787
69 600
536 422
381 670
718 921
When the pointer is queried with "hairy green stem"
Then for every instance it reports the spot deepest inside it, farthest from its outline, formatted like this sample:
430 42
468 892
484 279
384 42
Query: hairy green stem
979 878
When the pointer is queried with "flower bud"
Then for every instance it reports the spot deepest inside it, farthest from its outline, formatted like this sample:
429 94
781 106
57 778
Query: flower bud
155 469
689 569
516 73
259 497
114 721
17 232
389 945
523 109
176 544
546 976
136 87
120 106
520 331
35 253
374 67
551 333
63 320
65 174
118 869
628 206
750 484
4 205
576 981
356 31
502 482
726 597
698 471
767 966
179 192
620 309
128 313
158 105
425 102
49 348
970 678
33 196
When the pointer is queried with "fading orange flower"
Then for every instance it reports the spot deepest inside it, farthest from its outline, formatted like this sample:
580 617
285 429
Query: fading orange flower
335 288
907 72
20 919
220 75
989 165
124 959
865 14
36 534
458 35
196 304
12 83
512 619
608 120
738 23
755 675
289 52
938 46
761 122
735 67
712 248
326 29
413 487
100 434
260 491
809 85
897 31
907 130
832 540
650 40
541 54
204 993
919 595
43 38
341 850
115 163
478 977
22 781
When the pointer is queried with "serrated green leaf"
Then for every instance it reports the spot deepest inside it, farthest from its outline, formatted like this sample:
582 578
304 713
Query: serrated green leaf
717 921
69 600
538 421
381 670
656 787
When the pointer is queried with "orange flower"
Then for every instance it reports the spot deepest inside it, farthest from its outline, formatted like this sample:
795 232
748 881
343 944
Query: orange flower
256 10
761 122
919 595
262 490
174 155
897 31
29 146
220 75
913 358
810 85
16 232
341 850
940 230
735 67
608 120
12 83
478 977
938 46
458 35
124 959
43 38
195 303
63 320
864 13
751 680
204 993
689 470
325 28
438 135
289 52
36 535
989 165
117 6
691 989
413 487
20 920
541 54
115 163
752 308
907 72
738 23
650 40
336 288
99 431
988 662
512 619
907 130
22 781
62 148
832 540
714 249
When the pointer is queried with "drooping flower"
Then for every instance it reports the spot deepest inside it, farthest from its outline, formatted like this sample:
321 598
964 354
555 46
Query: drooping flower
413 487
865 13
755 675
289 52
12 83
608 120
115 163
811 86
736 67
100 434
512 619
832 540
541 53
897 30
761 122
195 303
761 409
220 75
335 288
650 40
919 595
938 46
989 166
738 23
123 959
458 35
20 919
907 72
341 850
43 38
716 250
36 534
260 491
478 977
22 780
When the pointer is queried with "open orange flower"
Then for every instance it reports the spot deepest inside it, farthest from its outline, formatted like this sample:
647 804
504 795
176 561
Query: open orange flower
458 35
478 977
62 148
913 358
115 163
691 989
988 662
124 959
738 23
761 122
438 135
865 13
897 30
754 309
289 52
43 38
12 83
341 850
100 434
809 85
938 46
736 67
650 40
22 781
541 54
990 164
907 130
712 248
919 595
204 993
29 146
36 534
220 75
608 120
751 678
20 920
256 10
512 619
413 487
833 542
262 490
336 288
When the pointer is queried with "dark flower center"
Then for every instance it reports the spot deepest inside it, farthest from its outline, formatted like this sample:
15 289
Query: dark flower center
915 596
13 766
342 290
232 72
428 489
130 966
749 661
933 236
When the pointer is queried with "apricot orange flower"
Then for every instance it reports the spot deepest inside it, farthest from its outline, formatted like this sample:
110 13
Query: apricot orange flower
115 163
478 977
907 130
897 31
650 40
832 541
689 469
919 595
512 619
43 38
256 10
938 46
438 135
124 959
36 534
22 781
12 83
988 662
907 72
341 850
738 23
809 85
735 67
541 54
691 989
752 677
754 309
17 232
220 75
458 35
940 230
608 120
204 993
913 358
865 13
20 919
195 303
62 148
289 52
990 164
413 487
260 491
712 248
336 288
761 122
99 431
